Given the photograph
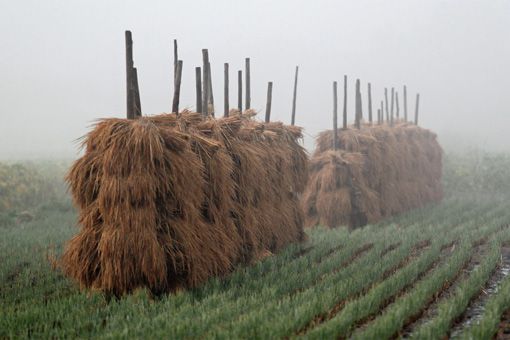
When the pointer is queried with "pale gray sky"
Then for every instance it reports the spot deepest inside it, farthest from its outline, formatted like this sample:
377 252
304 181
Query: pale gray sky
62 62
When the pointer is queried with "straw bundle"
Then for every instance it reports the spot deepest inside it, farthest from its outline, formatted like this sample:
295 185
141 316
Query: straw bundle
378 171
168 201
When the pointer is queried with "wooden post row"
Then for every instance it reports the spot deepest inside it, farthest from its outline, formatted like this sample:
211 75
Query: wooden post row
335 116
293 118
268 102
205 99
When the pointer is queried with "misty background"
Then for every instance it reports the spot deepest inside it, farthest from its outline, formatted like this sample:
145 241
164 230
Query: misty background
62 63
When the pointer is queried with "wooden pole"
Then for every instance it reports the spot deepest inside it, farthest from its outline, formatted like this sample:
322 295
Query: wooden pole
398 106
405 103
293 119
198 82
205 90
378 116
416 109
386 104
248 89
392 104
177 88
370 103
225 92
138 105
130 107
360 98
381 118
358 105
345 104
335 115
176 61
205 82
210 99
269 100
240 90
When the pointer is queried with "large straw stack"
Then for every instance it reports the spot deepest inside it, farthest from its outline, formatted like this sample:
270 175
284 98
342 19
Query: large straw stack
168 201
376 172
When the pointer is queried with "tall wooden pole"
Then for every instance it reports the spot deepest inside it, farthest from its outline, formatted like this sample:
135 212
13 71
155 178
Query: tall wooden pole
370 103
398 106
416 109
247 98
138 105
392 104
269 100
177 88
205 90
225 92
386 104
210 99
381 118
405 103
344 125
293 119
358 105
335 115
130 107
176 60
360 98
240 90
198 83
205 82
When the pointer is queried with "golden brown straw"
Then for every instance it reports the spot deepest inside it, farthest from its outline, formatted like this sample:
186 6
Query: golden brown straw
378 171
169 201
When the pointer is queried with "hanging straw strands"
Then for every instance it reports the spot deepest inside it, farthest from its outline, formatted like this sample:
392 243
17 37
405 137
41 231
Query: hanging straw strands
168 201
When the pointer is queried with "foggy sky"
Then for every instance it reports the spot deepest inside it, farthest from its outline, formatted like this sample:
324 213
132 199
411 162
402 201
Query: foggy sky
62 63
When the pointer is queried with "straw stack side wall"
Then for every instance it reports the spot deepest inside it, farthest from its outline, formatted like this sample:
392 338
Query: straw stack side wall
379 171
169 201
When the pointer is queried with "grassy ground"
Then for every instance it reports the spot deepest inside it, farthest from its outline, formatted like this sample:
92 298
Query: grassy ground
417 275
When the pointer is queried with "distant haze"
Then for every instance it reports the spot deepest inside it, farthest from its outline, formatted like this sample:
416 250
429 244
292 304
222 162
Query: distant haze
62 63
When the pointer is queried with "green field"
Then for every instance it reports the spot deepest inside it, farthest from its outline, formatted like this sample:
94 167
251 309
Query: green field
433 272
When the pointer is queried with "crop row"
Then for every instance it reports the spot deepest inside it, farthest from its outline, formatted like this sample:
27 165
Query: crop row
415 300
450 309
486 326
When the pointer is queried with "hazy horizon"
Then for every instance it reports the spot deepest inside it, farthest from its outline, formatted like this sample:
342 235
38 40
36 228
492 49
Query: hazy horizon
63 63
